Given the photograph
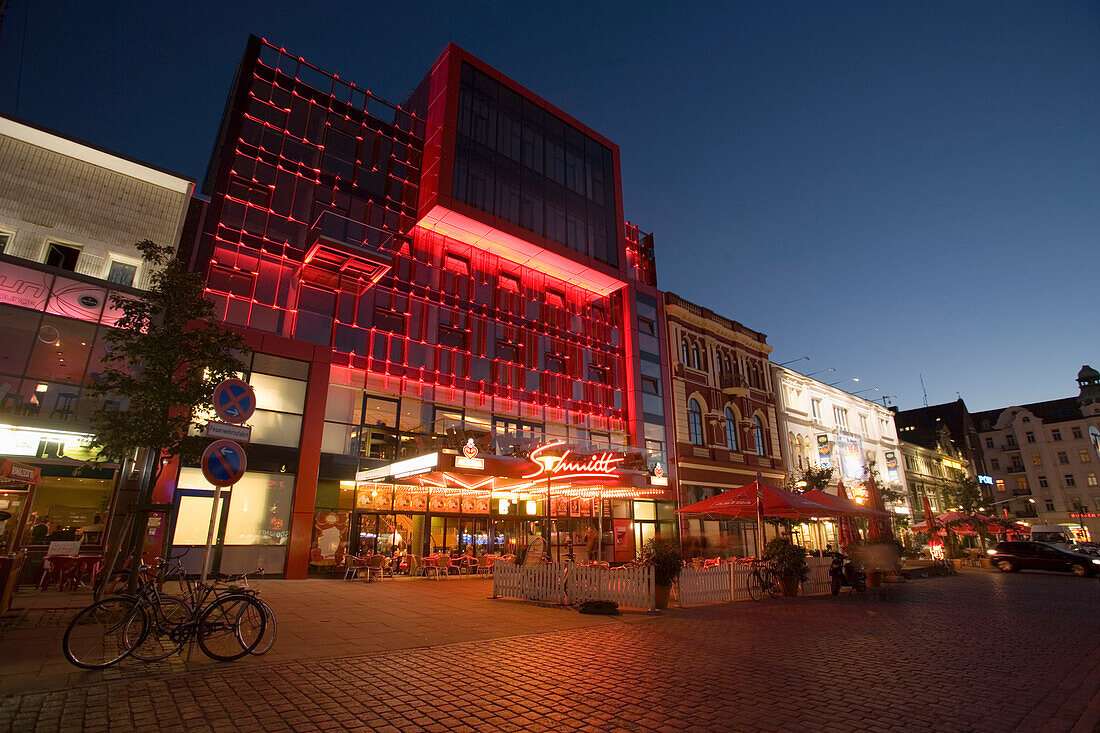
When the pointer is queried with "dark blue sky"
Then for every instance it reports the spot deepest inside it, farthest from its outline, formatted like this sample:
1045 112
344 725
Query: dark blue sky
893 189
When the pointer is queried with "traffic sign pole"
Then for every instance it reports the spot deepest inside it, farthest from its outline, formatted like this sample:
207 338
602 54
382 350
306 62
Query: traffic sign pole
210 534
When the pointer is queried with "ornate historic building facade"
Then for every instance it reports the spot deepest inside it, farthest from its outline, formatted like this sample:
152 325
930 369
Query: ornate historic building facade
724 415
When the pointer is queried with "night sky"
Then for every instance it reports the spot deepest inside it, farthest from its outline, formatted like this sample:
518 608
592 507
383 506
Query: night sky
893 189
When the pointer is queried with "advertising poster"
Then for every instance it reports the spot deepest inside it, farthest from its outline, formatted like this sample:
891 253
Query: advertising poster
891 466
851 456
824 452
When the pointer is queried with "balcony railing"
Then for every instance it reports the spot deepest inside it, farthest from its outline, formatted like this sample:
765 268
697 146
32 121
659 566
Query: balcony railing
734 385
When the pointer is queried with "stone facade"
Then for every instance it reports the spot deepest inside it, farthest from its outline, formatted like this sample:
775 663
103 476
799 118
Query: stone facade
57 190
1042 451
823 425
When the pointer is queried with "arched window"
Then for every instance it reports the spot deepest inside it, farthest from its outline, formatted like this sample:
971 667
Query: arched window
758 435
729 367
695 422
695 355
718 358
687 352
731 430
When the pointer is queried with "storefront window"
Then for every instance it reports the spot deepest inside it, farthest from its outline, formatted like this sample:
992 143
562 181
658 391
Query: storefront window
61 349
259 507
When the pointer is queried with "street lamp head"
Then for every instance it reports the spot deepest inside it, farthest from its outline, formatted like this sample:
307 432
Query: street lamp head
792 361
1030 501
852 379
819 371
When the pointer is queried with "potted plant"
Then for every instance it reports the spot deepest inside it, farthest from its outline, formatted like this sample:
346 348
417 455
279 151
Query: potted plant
664 555
789 561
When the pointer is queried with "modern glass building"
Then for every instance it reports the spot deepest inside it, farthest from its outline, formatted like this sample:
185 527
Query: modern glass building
453 325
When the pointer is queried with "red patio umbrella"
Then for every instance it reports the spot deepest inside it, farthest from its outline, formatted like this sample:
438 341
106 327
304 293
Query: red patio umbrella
742 502
847 533
844 504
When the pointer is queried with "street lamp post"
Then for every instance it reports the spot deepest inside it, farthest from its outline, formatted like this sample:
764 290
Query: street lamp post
870 389
792 361
887 397
819 371
851 379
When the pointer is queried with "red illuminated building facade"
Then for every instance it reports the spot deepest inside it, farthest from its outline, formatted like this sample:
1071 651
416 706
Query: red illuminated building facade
431 292
724 408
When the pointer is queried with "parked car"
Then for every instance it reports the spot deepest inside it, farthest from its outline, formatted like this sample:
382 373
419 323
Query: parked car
1010 557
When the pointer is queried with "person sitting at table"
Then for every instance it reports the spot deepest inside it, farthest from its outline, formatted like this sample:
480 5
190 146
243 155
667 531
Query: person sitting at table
40 531
66 534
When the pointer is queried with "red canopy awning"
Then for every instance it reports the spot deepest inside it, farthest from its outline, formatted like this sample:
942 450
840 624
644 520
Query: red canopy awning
742 502
844 504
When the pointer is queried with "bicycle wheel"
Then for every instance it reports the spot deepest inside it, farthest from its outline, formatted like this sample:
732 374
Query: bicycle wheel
221 634
105 632
167 614
772 584
116 584
756 585
247 629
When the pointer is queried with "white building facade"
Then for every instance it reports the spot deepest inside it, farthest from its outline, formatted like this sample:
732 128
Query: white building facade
826 427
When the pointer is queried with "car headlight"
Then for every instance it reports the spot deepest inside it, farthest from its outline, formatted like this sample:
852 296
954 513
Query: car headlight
1096 562
991 552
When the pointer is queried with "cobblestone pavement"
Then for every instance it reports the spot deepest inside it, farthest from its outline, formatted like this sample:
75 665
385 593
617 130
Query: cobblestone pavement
975 652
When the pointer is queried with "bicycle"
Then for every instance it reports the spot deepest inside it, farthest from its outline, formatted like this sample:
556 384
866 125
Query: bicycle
271 628
150 626
762 580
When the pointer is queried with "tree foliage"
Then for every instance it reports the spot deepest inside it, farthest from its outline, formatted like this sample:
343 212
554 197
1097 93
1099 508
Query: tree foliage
163 361
965 494
809 478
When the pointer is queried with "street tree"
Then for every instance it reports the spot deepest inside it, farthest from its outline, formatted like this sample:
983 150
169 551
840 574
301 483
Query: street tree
163 360
811 477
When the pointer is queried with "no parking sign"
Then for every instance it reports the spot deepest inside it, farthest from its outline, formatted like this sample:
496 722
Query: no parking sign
223 463
234 400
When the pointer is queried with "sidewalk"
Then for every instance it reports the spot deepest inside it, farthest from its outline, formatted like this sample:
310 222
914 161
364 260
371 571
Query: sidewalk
316 619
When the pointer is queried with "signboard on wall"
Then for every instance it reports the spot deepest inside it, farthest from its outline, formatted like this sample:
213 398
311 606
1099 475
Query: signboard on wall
891 466
824 452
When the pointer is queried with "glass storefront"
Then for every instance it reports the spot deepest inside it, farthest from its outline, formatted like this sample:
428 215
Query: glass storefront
253 524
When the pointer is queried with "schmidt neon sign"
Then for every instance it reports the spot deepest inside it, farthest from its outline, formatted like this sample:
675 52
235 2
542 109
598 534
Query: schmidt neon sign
602 465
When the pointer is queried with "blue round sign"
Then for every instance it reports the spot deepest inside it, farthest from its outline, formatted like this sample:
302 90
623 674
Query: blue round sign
234 400
223 463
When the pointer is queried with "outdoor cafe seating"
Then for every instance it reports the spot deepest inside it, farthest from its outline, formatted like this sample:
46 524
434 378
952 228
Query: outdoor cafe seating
70 572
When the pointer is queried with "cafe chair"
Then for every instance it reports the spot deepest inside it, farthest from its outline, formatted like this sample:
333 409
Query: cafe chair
354 565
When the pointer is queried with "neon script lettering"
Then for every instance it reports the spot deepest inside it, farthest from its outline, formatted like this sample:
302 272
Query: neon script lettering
599 466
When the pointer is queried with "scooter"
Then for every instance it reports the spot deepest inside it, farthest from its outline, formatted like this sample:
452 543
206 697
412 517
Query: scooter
844 572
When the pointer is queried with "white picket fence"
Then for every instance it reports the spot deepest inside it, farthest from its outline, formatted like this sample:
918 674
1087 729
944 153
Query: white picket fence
729 582
539 583
818 583
565 583
710 585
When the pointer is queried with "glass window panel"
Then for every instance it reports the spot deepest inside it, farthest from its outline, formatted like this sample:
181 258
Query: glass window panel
277 393
122 273
259 509
645 510
279 366
344 404
276 428
18 328
193 519
338 438
380 412
61 349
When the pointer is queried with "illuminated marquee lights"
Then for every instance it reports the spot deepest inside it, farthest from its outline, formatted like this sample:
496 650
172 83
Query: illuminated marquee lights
604 465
